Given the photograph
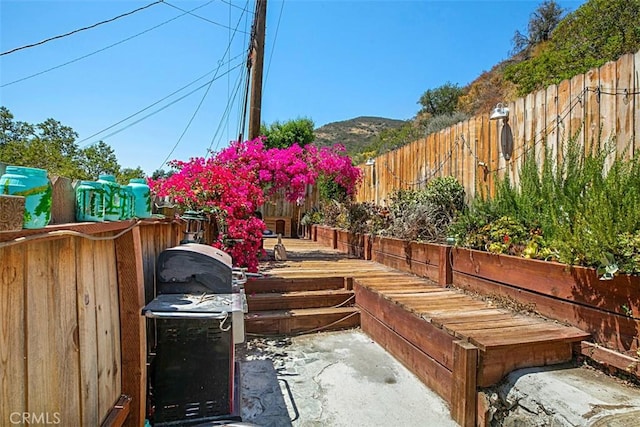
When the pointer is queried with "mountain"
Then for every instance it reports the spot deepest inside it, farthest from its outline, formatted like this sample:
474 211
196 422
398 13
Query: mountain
354 134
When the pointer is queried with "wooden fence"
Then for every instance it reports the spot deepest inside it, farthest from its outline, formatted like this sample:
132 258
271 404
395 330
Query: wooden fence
72 338
595 107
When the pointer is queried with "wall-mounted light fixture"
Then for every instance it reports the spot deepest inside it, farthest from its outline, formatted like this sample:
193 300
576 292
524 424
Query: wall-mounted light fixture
499 112
370 162
506 138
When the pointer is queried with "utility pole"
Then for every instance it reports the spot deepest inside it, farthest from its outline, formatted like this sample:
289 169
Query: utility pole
258 64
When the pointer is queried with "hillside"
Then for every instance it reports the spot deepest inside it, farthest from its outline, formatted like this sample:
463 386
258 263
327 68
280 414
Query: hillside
355 134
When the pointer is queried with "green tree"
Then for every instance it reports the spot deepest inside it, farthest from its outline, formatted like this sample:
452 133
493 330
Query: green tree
541 23
441 100
283 135
98 159
52 146
127 174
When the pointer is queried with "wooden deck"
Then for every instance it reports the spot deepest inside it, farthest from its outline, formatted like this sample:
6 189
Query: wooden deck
453 342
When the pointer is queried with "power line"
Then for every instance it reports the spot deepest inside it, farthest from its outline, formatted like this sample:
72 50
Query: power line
80 29
226 113
235 31
162 108
201 17
275 37
160 100
237 7
106 47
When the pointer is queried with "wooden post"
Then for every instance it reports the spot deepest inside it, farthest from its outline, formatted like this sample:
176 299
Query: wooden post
367 247
63 201
132 324
463 393
445 273
258 63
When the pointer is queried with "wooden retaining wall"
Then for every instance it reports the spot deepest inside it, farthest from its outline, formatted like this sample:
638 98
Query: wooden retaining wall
72 339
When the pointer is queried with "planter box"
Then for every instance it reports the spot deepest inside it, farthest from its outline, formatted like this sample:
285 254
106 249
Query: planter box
609 310
326 236
351 243
422 259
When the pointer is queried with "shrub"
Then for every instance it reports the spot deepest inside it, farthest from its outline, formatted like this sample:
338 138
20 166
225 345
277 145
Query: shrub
583 211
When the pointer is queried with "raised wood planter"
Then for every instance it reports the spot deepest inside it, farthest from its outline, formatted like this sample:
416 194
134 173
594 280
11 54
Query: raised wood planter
608 310
422 259
326 236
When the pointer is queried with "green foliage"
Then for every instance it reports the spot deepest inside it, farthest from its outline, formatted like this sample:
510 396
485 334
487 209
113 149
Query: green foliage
425 214
126 174
441 100
284 135
597 32
442 121
329 189
584 211
99 159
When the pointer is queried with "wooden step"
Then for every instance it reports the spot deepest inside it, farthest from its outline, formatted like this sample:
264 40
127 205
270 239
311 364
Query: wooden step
279 322
301 299
278 284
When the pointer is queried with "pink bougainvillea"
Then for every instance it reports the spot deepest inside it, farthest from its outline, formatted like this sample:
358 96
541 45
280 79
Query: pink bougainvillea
233 184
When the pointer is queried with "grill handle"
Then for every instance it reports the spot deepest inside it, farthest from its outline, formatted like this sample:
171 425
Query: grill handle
220 315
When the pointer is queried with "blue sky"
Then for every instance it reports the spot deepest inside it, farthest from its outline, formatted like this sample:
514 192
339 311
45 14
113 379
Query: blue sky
327 60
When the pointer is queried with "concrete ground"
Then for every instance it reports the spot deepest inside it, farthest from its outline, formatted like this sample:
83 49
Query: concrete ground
332 379
346 379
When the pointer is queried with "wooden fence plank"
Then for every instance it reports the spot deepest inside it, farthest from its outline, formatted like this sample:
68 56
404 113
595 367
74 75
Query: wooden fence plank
592 110
132 324
12 331
87 332
608 101
624 104
39 309
636 102
63 326
108 370
576 112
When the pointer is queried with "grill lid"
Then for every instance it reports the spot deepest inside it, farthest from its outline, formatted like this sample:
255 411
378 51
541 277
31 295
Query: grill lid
194 268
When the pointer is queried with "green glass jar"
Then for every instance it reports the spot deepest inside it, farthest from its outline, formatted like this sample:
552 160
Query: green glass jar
141 196
34 185
90 201
126 197
112 197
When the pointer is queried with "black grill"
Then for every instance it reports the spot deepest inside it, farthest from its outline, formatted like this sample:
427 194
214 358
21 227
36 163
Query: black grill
196 317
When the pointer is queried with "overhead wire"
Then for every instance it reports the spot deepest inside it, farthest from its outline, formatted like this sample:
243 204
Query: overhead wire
188 12
164 107
162 99
235 31
81 29
226 112
244 9
106 47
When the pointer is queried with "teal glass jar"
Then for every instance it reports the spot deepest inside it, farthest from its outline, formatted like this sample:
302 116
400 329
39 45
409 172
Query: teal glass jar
34 185
112 197
126 197
90 201
141 197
